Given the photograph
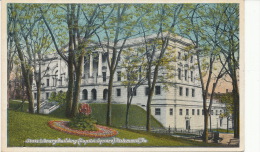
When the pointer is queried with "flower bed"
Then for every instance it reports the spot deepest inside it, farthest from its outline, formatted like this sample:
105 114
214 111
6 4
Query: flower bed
102 131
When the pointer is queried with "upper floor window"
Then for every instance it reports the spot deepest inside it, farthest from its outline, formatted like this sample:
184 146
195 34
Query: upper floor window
191 59
48 82
212 113
180 91
179 55
186 75
187 111
119 76
202 112
180 112
157 90
104 75
179 73
186 57
191 76
157 111
193 111
193 92
187 92
216 112
171 111
198 111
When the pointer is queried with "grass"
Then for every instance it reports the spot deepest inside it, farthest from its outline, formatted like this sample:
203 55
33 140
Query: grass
22 126
223 130
137 115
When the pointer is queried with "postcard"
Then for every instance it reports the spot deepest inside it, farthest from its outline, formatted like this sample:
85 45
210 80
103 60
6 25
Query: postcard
122 76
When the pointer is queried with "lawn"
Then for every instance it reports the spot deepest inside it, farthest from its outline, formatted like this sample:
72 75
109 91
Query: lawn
137 115
22 126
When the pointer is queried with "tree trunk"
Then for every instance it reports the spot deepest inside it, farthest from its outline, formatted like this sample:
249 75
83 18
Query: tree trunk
74 109
110 90
206 121
236 110
148 113
38 96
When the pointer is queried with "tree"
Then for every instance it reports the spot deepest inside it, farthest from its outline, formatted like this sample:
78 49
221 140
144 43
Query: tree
134 64
161 20
81 20
117 30
227 99
23 19
204 21
229 45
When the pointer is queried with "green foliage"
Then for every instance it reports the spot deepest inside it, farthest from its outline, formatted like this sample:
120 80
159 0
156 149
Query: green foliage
227 99
59 97
83 122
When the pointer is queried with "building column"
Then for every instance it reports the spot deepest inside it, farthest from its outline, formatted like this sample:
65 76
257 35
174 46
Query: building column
90 79
99 79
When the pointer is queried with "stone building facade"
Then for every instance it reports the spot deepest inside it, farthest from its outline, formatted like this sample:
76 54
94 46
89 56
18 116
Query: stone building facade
179 107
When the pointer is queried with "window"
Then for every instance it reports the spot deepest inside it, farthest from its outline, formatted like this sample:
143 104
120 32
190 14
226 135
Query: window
179 55
216 112
180 112
193 92
187 111
186 57
202 112
157 111
48 82
193 111
47 95
146 91
157 90
198 111
35 95
61 81
191 59
185 75
220 111
179 74
133 91
171 111
118 92
212 112
187 92
191 76
180 91
119 76
104 75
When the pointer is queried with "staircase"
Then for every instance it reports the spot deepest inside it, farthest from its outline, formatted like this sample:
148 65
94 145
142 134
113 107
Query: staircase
47 107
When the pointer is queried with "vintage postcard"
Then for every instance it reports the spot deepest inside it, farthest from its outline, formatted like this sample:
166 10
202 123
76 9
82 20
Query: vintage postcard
122 76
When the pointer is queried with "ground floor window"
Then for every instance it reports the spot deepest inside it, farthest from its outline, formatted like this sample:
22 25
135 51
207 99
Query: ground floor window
193 111
198 111
47 95
157 111
118 92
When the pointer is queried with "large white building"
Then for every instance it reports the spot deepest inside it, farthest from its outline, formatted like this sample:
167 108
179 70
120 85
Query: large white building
179 107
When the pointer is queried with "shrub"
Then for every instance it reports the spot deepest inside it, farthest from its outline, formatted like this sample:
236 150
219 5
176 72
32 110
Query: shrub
83 120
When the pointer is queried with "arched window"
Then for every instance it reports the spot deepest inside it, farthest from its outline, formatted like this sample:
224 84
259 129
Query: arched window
85 94
94 94
105 93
